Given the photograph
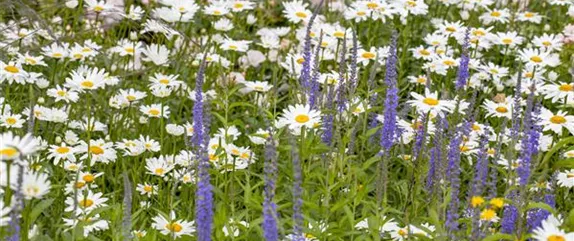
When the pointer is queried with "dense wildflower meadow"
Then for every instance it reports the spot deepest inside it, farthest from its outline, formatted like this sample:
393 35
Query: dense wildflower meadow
287 120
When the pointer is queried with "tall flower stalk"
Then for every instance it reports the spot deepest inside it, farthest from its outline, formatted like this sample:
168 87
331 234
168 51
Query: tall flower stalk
203 195
269 225
463 70
389 130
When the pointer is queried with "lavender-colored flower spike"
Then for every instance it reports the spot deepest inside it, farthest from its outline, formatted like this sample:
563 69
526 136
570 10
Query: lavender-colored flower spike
18 207
203 195
530 140
516 108
269 225
328 118
389 130
432 169
305 77
297 194
453 173
481 168
353 72
313 84
463 71
509 217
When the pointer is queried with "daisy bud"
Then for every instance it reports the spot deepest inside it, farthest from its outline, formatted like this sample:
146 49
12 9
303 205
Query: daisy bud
143 119
134 36
464 15
72 4
42 83
56 19
41 100
251 19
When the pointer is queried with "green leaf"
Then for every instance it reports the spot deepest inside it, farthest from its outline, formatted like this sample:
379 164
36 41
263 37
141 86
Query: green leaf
499 236
39 208
564 164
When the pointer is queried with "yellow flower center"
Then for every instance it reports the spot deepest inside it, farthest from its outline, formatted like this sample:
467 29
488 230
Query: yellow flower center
9 152
174 227
536 59
556 238
86 203
501 109
96 150
34 190
424 52
475 127
153 112
301 14
62 150
339 34
12 69
87 84
372 5
402 232
368 55
31 61
302 118
79 185
98 8
491 151
88 178
11 120
566 87
557 119
430 101
449 62
478 33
